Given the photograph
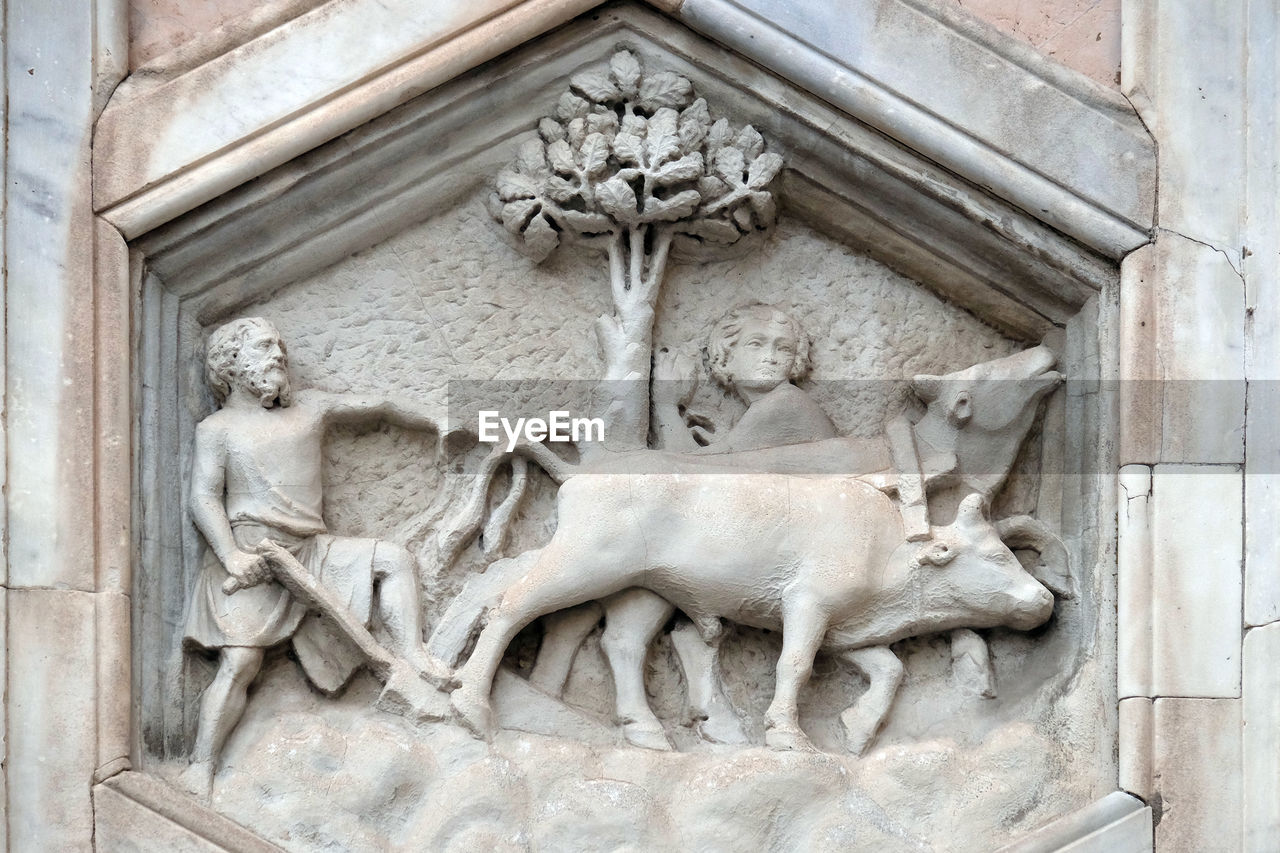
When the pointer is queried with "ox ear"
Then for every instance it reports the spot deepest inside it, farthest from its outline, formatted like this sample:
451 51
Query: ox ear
961 409
936 553
972 511
926 387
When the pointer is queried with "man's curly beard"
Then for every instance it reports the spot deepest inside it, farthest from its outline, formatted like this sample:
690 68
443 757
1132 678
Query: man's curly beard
270 383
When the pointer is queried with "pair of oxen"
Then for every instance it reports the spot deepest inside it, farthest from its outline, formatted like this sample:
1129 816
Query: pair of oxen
828 542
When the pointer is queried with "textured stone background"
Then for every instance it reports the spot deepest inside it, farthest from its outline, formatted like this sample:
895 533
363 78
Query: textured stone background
450 300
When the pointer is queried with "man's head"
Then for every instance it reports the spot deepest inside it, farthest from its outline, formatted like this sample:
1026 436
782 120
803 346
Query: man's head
757 347
248 354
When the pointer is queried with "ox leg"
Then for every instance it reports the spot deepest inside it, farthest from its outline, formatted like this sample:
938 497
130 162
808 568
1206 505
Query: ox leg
632 619
884 673
971 663
699 656
564 632
554 583
803 628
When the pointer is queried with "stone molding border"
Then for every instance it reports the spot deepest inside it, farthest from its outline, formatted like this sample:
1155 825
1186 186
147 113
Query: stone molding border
1051 141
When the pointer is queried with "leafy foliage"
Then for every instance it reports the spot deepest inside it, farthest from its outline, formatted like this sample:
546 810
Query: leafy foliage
628 150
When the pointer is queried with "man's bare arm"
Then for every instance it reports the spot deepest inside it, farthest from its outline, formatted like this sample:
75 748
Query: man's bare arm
209 512
208 479
674 381
360 408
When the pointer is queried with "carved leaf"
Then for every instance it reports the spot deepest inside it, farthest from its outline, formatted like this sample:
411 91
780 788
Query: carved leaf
571 106
712 187
577 132
664 89
627 148
512 185
678 206
662 142
719 231
494 205
560 156
718 136
585 223
765 207
626 72
595 154
605 124
516 214
749 142
686 168
763 170
531 158
558 189
742 216
596 86
616 198
729 165
540 238
634 125
695 121
550 130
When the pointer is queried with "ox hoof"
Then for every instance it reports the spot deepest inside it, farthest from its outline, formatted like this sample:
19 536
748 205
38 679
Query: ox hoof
431 668
722 728
859 731
197 780
473 712
788 738
646 736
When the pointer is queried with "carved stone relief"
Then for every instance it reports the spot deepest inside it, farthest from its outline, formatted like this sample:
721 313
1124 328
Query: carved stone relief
820 584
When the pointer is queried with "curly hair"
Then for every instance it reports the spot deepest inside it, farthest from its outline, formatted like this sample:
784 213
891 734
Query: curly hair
220 368
726 333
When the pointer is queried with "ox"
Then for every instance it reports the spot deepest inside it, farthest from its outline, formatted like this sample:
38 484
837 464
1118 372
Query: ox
823 560
974 424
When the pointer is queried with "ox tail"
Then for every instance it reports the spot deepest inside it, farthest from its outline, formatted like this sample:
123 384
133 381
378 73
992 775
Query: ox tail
1054 566
462 529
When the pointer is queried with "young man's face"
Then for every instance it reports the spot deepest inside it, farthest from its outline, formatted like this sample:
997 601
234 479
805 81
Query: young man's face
762 358
263 366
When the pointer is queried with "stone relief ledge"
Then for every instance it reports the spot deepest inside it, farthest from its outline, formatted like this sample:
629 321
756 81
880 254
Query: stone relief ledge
1085 165
348 195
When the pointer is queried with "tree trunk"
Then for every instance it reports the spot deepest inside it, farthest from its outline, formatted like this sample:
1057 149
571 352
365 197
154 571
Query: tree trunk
626 338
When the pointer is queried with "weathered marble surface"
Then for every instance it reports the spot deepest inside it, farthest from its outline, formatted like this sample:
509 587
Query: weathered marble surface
1081 34
160 28
290 776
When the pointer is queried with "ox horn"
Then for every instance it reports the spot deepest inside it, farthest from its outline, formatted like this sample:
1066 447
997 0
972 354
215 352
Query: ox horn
1053 569
927 387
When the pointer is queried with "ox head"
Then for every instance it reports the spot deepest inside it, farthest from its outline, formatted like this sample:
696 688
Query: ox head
983 413
969 577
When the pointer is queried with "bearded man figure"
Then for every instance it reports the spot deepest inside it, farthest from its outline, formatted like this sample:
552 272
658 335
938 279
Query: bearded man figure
256 477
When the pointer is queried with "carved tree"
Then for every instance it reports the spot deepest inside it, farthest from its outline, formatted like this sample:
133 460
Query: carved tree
631 163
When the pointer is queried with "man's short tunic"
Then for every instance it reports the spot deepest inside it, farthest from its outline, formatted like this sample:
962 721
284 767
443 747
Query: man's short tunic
266 615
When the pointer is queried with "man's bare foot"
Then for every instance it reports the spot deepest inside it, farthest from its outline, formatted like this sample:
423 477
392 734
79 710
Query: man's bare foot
197 780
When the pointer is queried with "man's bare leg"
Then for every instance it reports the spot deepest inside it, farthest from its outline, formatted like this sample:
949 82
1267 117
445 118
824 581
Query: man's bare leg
400 609
220 710
563 633
712 713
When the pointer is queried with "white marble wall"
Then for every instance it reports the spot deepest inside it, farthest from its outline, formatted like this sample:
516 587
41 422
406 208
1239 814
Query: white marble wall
1198 545
1198 715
